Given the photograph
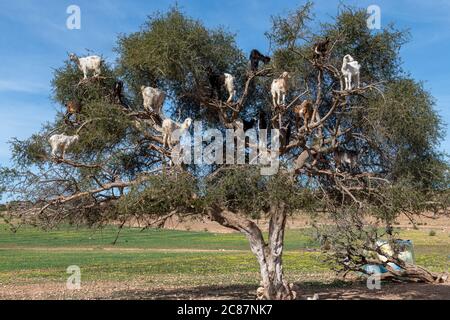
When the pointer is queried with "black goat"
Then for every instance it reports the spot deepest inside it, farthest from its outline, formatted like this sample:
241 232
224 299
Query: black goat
118 96
216 82
321 48
263 123
286 133
249 124
255 58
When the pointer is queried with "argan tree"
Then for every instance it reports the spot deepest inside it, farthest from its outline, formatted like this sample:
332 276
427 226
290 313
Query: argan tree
120 169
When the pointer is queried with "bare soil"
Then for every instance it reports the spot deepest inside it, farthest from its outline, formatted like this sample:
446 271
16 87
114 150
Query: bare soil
139 291
302 221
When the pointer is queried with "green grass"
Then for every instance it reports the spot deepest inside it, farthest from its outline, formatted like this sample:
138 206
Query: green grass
32 266
135 238
32 256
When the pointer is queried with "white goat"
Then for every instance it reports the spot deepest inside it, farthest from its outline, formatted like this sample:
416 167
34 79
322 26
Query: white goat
153 99
279 89
229 85
61 142
86 64
168 128
351 71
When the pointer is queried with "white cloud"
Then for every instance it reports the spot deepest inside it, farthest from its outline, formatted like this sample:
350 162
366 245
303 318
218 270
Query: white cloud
23 86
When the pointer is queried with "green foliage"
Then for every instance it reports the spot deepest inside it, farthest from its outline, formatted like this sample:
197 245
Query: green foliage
68 84
30 151
106 128
407 130
288 30
173 52
161 195
109 127
243 189
397 198
378 52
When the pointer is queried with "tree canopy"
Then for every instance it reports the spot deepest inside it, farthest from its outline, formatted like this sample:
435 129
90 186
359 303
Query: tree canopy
120 170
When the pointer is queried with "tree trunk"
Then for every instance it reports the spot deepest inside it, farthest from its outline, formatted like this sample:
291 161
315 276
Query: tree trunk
274 285
269 256
413 273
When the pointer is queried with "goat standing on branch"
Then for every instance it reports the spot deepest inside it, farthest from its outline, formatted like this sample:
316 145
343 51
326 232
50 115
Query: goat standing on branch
321 48
255 58
153 99
304 111
86 64
279 89
118 96
229 85
168 128
61 142
346 158
218 80
351 71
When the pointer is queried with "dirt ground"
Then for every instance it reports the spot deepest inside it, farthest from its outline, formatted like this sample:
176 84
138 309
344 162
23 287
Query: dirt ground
299 222
139 291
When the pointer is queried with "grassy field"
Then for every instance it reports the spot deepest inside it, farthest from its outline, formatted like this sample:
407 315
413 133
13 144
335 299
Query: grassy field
31 255
172 258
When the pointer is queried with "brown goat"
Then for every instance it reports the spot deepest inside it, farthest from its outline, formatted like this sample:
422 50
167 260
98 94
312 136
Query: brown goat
304 111
72 108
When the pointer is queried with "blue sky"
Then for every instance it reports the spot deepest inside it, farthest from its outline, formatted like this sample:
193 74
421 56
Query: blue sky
34 40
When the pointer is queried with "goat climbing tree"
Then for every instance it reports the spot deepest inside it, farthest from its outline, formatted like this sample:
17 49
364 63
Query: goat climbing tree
120 171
